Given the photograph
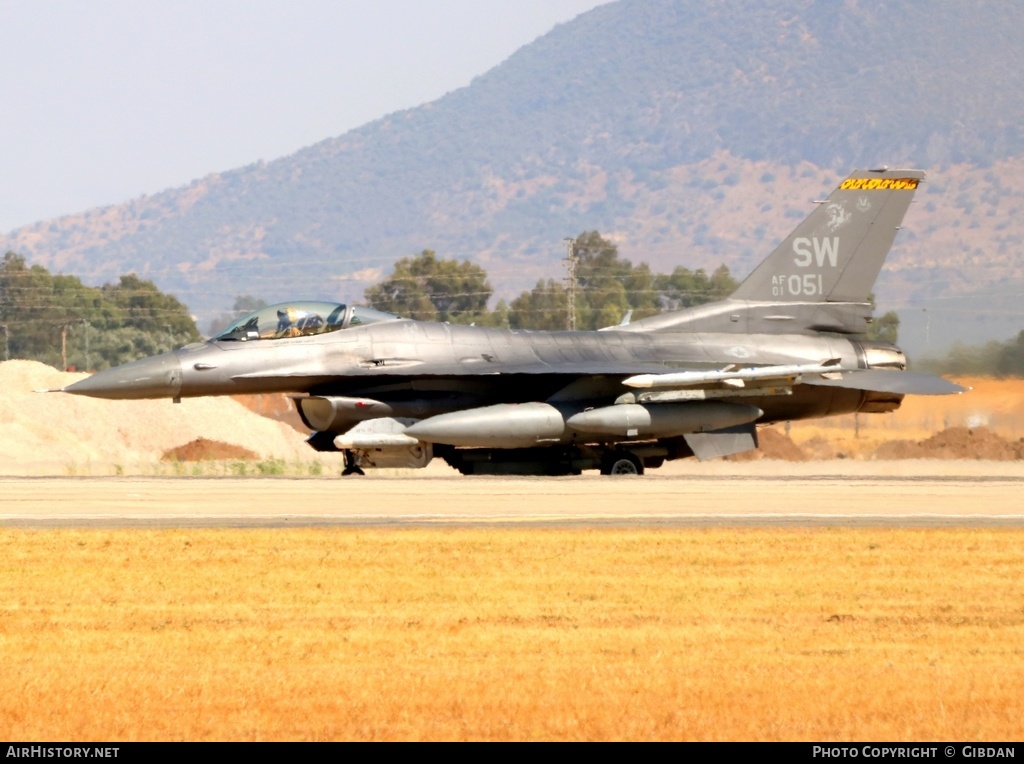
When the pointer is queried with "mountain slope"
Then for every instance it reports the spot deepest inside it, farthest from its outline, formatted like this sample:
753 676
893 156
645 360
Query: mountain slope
693 132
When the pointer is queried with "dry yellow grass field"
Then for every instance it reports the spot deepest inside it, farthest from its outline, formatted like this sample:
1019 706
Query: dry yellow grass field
813 634
457 634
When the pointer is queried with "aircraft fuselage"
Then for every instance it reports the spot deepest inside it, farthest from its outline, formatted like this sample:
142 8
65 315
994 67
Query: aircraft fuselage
396 360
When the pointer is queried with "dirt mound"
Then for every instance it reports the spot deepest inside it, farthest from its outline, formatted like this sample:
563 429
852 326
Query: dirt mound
819 448
203 449
54 433
954 443
276 406
773 445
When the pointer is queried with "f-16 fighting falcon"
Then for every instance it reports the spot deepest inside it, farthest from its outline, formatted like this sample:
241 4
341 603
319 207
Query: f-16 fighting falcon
788 344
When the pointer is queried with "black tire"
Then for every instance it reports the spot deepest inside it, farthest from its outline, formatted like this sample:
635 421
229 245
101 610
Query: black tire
621 463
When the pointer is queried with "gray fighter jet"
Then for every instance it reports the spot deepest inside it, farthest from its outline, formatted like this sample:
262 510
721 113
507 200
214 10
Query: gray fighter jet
386 391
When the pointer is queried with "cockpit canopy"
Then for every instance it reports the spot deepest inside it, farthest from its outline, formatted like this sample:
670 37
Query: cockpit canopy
300 319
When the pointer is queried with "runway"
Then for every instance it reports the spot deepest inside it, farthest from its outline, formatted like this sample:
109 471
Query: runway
754 498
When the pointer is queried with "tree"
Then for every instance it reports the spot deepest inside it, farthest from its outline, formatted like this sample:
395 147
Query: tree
147 308
973 359
427 288
543 307
886 327
244 304
608 286
601 276
59 320
1011 358
499 318
684 288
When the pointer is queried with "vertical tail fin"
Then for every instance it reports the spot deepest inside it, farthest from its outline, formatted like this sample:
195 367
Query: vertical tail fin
836 253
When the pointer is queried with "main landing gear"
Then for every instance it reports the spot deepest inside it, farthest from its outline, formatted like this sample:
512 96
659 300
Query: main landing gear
621 463
351 468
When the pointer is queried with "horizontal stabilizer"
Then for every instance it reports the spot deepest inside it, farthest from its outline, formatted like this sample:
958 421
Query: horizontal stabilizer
890 381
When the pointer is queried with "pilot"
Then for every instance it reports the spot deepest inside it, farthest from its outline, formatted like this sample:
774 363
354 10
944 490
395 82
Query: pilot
287 323
310 323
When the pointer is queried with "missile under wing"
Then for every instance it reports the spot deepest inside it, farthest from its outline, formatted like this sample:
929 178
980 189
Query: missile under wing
385 391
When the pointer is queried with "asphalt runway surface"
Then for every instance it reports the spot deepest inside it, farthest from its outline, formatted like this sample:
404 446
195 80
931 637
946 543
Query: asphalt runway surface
701 500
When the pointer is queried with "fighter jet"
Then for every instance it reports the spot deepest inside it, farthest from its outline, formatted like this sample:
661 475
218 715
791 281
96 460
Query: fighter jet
790 343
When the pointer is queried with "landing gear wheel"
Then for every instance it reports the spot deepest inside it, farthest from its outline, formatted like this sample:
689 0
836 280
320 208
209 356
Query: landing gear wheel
351 468
621 463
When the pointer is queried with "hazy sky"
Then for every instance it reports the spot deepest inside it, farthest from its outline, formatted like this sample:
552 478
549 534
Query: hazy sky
105 100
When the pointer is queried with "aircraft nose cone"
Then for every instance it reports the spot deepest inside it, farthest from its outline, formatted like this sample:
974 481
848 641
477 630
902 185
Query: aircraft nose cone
156 377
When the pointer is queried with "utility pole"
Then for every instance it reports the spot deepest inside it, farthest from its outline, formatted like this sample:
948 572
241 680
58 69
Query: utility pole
570 282
7 342
64 346
88 326
64 327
